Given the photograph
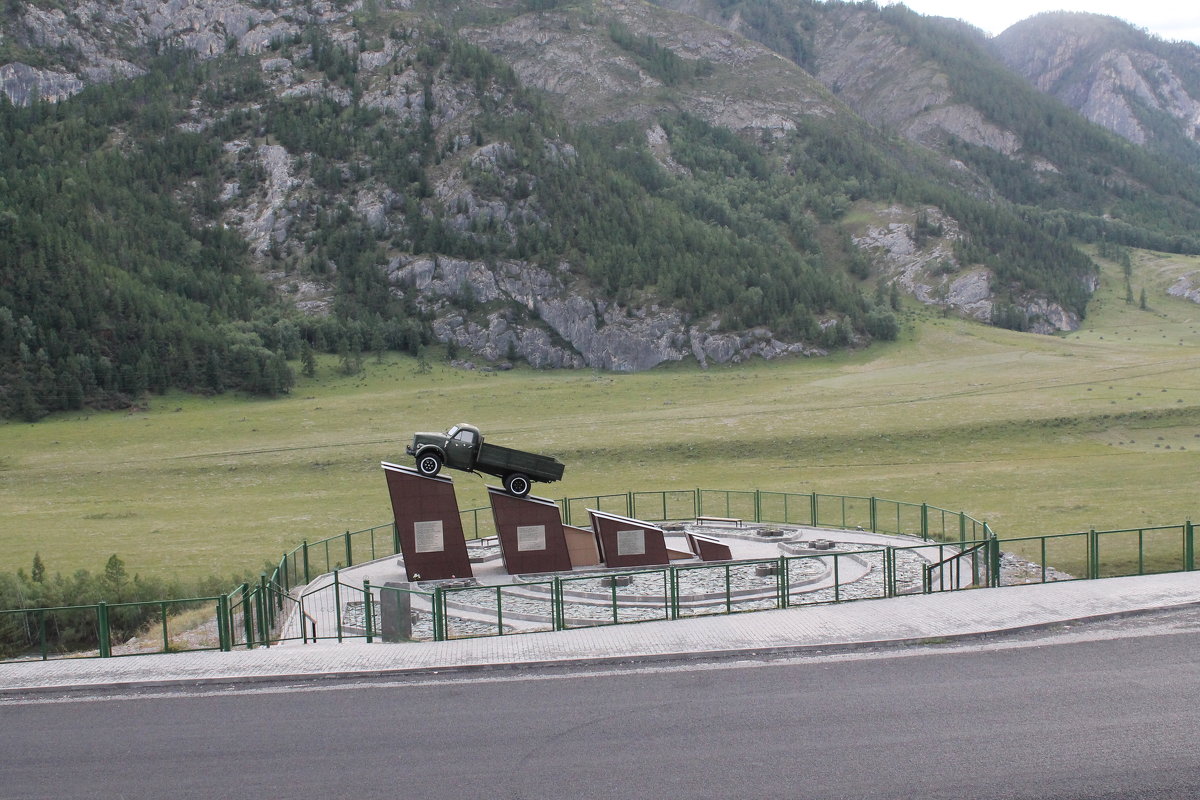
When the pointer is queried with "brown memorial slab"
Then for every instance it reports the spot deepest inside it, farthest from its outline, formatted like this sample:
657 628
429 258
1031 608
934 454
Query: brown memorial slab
626 542
583 547
531 533
708 548
428 524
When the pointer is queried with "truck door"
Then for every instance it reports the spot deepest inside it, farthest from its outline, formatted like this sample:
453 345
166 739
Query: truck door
460 450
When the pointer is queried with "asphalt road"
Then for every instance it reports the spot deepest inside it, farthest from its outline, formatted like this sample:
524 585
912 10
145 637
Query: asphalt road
1043 718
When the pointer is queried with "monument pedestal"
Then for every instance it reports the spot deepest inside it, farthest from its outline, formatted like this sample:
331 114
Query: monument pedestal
428 525
531 533
708 548
626 542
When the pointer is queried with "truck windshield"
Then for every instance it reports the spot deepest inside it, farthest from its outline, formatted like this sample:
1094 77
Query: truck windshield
450 434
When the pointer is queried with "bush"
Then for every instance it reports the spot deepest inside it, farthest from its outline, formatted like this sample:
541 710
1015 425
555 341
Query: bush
883 325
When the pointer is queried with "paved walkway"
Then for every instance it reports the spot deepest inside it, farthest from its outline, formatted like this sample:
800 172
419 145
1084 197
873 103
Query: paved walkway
897 620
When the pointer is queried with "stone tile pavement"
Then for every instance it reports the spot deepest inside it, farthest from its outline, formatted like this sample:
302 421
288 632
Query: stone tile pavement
897 620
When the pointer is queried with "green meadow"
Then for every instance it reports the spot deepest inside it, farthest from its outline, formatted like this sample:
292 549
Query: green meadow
1099 428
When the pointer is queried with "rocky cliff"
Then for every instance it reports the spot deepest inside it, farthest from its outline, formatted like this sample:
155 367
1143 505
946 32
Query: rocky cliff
1137 86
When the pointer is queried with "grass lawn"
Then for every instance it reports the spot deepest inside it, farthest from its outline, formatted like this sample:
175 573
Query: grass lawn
1034 434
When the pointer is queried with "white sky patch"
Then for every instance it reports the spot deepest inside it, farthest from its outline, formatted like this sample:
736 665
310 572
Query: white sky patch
1169 19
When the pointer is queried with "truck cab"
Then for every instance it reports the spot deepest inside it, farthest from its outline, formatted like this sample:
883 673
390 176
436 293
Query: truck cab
462 444
455 448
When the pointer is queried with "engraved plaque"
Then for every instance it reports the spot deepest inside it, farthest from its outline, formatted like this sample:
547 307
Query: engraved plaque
429 537
531 537
631 543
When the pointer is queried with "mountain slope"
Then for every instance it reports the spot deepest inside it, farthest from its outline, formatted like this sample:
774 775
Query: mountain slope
607 184
1118 76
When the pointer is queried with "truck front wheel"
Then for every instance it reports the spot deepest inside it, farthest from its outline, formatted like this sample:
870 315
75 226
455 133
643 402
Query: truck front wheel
429 464
516 484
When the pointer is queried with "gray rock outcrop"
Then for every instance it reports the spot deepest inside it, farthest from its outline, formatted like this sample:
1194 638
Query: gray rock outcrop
1187 287
1115 75
931 273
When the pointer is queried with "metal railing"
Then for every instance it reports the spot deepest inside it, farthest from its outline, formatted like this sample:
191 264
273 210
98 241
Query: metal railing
45 633
284 605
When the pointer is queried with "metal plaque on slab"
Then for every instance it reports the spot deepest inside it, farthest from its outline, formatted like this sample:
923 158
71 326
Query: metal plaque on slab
631 543
531 537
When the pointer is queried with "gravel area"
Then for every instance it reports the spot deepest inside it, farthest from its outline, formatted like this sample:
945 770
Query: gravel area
478 608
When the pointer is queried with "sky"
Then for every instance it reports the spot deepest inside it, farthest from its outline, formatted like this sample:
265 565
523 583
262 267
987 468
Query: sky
1173 20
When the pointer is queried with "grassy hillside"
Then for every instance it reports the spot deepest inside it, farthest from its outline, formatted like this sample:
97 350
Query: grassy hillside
1100 428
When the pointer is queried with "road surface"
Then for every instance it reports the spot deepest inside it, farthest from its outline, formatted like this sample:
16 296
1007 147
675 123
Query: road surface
1034 717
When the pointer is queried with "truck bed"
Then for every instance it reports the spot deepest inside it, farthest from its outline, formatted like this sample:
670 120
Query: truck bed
500 461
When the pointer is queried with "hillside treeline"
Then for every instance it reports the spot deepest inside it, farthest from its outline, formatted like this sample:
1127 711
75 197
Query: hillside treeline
118 276
115 278
71 627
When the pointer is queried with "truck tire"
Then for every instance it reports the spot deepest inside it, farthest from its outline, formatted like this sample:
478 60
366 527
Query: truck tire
429 464
516 484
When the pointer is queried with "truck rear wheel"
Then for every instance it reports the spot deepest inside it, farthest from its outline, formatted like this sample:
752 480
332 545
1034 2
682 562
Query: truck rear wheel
429 464
516 484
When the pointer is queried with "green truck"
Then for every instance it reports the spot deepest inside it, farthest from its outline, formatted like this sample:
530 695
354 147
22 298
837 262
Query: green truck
462 447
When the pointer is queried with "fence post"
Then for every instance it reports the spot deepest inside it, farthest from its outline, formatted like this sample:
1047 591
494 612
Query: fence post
349 552
673 575
1189 546
887 571
247 616
924 521
994 553
757 506
223 633
629 504
556 603
728 596
307 577
874 524
695 503
784 588
268 601
812 503
962 528
105 634
395 539
337 603
439 614
1093 554
264 611
368 614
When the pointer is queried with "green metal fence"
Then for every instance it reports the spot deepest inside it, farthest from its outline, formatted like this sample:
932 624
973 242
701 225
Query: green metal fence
285 604
40 633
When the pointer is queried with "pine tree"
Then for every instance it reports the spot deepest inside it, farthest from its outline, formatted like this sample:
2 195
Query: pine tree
308 360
